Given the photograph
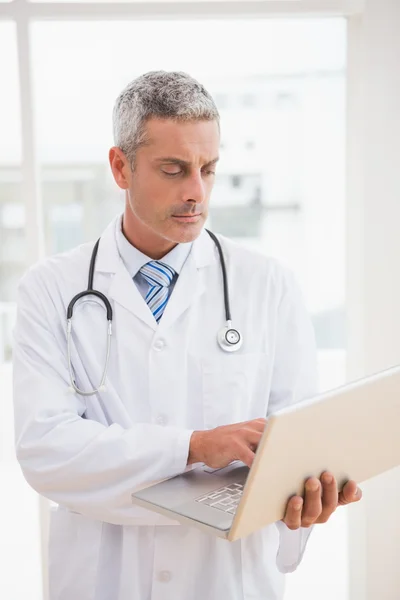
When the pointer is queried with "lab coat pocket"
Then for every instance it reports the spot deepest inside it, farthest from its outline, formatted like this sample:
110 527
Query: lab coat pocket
74 546
231 388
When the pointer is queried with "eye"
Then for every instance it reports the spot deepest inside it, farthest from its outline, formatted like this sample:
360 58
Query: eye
208 172
171 173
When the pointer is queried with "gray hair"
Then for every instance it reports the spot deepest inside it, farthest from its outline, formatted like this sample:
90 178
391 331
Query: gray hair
166 95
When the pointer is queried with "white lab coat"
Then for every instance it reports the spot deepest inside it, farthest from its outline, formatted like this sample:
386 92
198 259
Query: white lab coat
89 454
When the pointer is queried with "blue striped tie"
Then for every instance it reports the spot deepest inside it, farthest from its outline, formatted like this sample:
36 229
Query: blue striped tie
159 276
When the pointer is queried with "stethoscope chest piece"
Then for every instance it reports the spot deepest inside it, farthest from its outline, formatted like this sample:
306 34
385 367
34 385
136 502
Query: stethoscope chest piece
229 338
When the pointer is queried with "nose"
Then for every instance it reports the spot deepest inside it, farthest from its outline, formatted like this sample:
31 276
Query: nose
194 190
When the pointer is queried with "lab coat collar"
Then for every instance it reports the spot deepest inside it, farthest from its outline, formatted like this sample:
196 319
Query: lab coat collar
189 287
109 261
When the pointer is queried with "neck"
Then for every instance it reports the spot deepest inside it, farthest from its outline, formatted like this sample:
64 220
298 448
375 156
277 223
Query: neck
144 239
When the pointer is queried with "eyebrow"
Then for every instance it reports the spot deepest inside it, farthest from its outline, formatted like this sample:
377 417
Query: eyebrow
183 163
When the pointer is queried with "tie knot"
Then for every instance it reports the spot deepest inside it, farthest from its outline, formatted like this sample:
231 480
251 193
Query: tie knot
158 273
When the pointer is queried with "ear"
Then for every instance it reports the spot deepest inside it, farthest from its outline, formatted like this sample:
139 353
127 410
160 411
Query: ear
120 167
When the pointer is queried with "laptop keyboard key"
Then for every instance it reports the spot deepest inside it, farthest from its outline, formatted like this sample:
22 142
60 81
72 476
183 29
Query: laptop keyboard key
226 498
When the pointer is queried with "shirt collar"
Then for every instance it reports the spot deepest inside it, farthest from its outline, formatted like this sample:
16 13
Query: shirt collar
134 260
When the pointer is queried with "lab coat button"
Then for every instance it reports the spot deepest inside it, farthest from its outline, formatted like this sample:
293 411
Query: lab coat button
159 345
164 576
161 420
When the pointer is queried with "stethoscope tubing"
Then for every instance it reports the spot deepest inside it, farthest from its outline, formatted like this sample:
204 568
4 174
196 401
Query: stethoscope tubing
223 336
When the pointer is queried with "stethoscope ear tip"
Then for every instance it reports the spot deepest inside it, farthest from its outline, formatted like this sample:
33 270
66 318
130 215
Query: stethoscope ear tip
71 389
102 388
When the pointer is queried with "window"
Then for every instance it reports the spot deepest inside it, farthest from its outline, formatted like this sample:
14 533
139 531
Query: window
221 100
248 100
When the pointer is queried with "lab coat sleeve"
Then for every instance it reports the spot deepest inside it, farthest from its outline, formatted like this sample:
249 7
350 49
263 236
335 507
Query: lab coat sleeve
76 462
294 379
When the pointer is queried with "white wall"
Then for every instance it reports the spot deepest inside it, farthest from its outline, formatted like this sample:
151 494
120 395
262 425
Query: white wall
373 276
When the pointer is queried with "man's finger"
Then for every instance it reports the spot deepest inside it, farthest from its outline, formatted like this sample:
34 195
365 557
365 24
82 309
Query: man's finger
251 437
245 454
312 503
292 517
350 493
329 496
257 424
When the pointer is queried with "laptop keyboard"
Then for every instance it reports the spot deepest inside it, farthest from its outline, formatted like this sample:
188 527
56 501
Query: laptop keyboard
225 498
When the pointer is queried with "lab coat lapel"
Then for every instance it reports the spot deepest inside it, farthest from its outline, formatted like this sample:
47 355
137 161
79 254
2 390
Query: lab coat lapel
124 291
187 288
122 288
191 281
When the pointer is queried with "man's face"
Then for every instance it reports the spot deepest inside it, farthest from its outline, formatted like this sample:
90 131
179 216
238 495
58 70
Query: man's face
170 186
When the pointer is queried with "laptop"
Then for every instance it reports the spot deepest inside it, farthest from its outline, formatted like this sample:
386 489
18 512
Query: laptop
352 431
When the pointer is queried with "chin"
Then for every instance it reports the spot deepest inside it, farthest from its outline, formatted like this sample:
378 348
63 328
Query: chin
185 233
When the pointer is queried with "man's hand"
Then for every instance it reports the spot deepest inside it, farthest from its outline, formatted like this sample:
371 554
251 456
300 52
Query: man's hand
220 446
321 499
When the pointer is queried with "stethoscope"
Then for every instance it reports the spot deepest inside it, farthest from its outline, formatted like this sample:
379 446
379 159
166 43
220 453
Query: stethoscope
228 338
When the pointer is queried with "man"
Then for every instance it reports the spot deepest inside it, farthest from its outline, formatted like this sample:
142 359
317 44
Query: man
172 398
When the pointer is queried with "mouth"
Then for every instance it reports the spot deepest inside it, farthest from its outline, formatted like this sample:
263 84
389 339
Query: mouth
187 218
